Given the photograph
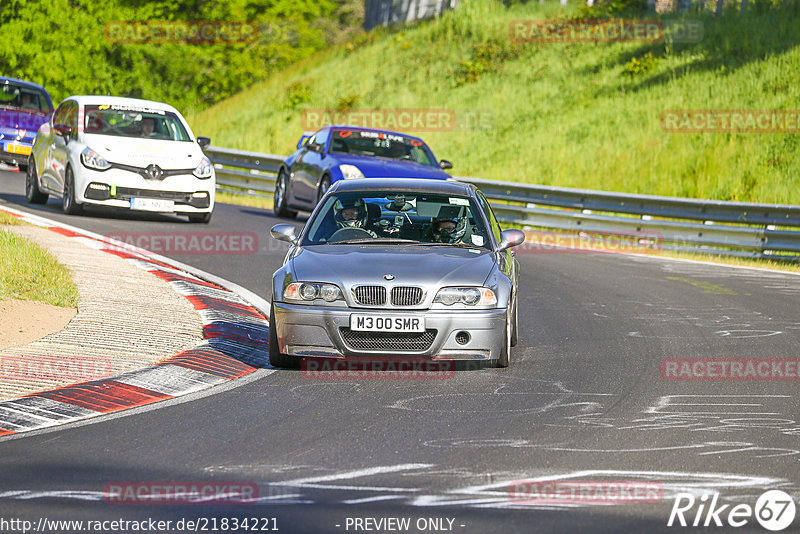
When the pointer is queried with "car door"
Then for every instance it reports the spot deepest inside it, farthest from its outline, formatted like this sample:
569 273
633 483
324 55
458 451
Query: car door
59 151
48 143
307 170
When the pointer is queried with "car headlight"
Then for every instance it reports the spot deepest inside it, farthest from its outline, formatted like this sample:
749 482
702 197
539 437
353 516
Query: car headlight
93 160
350 172
470 296
309 291
204 169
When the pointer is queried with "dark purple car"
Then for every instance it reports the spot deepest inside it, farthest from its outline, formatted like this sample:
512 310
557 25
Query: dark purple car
24 106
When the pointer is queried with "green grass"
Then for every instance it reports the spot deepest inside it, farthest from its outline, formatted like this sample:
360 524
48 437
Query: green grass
28 272
9 220
243 200
574 115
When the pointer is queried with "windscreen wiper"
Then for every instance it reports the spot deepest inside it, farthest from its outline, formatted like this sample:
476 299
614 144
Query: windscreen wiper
372 241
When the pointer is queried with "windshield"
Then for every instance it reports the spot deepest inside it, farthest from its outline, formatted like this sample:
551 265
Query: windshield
382 145
402 218
128 121
21 97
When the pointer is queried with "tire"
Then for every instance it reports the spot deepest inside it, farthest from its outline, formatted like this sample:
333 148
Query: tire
324 185
276 358
68 203
279 202
505 352
203 218
515 324
33 194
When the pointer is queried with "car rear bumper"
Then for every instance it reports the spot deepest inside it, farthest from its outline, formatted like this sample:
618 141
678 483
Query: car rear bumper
313 331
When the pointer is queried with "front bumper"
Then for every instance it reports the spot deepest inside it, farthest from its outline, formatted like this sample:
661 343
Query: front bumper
313 331
188 193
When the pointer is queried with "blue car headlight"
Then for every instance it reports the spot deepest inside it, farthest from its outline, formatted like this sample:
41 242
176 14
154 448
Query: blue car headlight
350 172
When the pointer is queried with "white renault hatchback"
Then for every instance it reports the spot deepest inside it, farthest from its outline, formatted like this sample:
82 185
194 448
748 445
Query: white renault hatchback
124 153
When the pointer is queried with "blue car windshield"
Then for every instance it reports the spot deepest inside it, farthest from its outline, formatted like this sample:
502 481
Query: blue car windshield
382 145
401 218
127 121
24 98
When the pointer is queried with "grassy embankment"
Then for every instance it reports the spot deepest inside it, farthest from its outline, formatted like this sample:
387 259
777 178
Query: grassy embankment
574 115
28 272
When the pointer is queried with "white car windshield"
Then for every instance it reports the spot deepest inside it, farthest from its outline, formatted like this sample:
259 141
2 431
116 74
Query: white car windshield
403 218
127 121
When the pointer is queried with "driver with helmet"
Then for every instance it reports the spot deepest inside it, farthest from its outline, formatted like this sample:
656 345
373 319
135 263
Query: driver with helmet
448 229
351 213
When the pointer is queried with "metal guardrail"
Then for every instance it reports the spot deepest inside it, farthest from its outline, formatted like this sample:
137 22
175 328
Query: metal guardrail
718 227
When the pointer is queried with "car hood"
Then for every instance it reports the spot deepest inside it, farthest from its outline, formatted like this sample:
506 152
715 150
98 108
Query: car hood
143 152
387 168
14 119
433 267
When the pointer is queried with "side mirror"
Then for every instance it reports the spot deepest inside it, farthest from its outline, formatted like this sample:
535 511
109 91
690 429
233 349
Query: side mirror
284 232
315 147
64 130
511 238
303 140
204 142
444 164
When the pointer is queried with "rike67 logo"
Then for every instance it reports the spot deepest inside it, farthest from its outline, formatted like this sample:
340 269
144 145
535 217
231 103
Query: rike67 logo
774 510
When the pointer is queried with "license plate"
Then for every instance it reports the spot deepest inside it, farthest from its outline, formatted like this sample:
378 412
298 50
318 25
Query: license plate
152 204
386 323
18 149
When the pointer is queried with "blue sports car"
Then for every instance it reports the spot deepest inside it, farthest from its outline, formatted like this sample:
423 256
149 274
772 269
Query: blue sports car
342 152
24 107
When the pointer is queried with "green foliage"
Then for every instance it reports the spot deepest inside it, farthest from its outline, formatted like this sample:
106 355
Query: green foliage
62 45
640 65
485 57
297 94
603 9
557 114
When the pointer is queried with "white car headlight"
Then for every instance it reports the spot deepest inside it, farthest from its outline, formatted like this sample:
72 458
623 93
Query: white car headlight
93 160
470 296
205 169
307 291
350 172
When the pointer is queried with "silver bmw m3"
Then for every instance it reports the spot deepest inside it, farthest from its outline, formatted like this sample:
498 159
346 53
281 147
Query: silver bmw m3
389 268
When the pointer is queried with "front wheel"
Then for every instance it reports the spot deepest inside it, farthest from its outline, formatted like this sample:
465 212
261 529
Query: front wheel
203 218
279 201
33 194
276 357
68 203
505 352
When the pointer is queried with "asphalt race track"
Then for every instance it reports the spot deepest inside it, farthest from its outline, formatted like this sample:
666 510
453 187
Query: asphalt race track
583 400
